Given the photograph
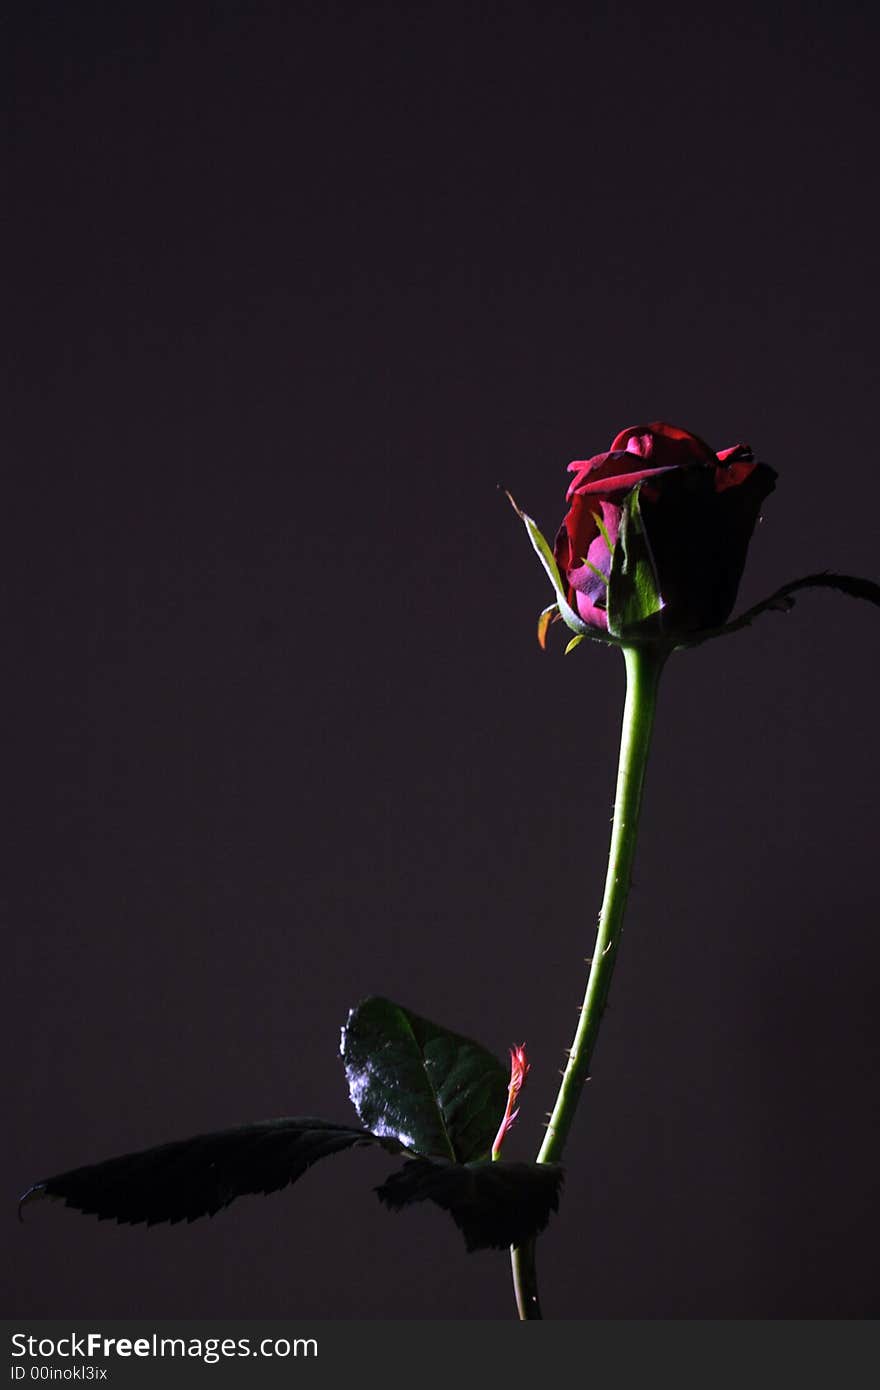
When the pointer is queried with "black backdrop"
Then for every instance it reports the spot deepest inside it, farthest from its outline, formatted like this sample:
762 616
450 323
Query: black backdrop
292 288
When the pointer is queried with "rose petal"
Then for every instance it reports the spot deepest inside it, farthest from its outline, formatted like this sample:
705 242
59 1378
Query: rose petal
576 535
609 483
591 578
732 475
666 443
595 617
739 451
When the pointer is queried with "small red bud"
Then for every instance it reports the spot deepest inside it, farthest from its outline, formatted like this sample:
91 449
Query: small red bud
519 1070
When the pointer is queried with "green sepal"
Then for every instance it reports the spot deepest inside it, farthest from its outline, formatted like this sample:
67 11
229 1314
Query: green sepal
548 560
575 642
633 588
600 574
439 1094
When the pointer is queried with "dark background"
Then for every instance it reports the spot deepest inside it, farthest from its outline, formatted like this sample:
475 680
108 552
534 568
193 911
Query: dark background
292 287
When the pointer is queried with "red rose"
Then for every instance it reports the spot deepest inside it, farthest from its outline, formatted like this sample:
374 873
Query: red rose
687 515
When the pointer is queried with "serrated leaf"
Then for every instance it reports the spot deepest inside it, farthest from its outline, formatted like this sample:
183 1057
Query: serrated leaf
190 1178
783 600
493 1204
437 1093
633 589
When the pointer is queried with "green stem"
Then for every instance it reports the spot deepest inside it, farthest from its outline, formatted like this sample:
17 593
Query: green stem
643 668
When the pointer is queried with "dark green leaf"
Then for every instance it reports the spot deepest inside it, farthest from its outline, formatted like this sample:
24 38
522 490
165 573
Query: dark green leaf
435 1092
197 1177
783 600
633 588
492 1204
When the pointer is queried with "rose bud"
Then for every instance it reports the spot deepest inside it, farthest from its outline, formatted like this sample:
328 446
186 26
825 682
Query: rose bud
655 541
519 1070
